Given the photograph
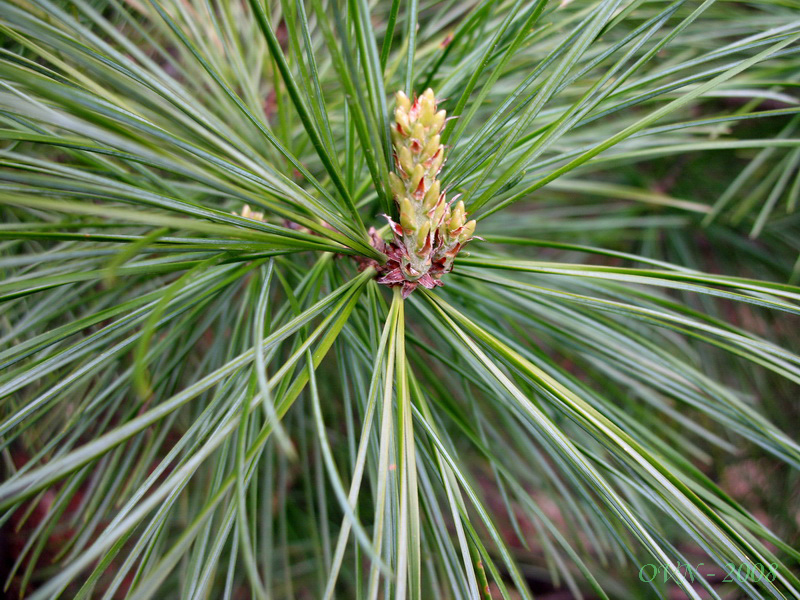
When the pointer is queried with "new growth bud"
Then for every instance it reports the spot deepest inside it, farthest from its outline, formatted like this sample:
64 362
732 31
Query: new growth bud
457 218
431 196
467 231
397 185
402 102
430 233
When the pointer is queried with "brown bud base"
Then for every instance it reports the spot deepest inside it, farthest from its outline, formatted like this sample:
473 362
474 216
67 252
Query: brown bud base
391 272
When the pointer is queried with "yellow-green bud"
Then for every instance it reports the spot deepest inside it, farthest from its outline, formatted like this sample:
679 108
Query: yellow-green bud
401 117
404 156
437 122
249 213
431 147
397 137
397 185
423 232
416 176
427 106
418 132
406 215
440 212
432 195
467 231
457 218
402 101
436 163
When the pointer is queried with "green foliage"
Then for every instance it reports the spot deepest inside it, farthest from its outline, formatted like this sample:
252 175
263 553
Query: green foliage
198 403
